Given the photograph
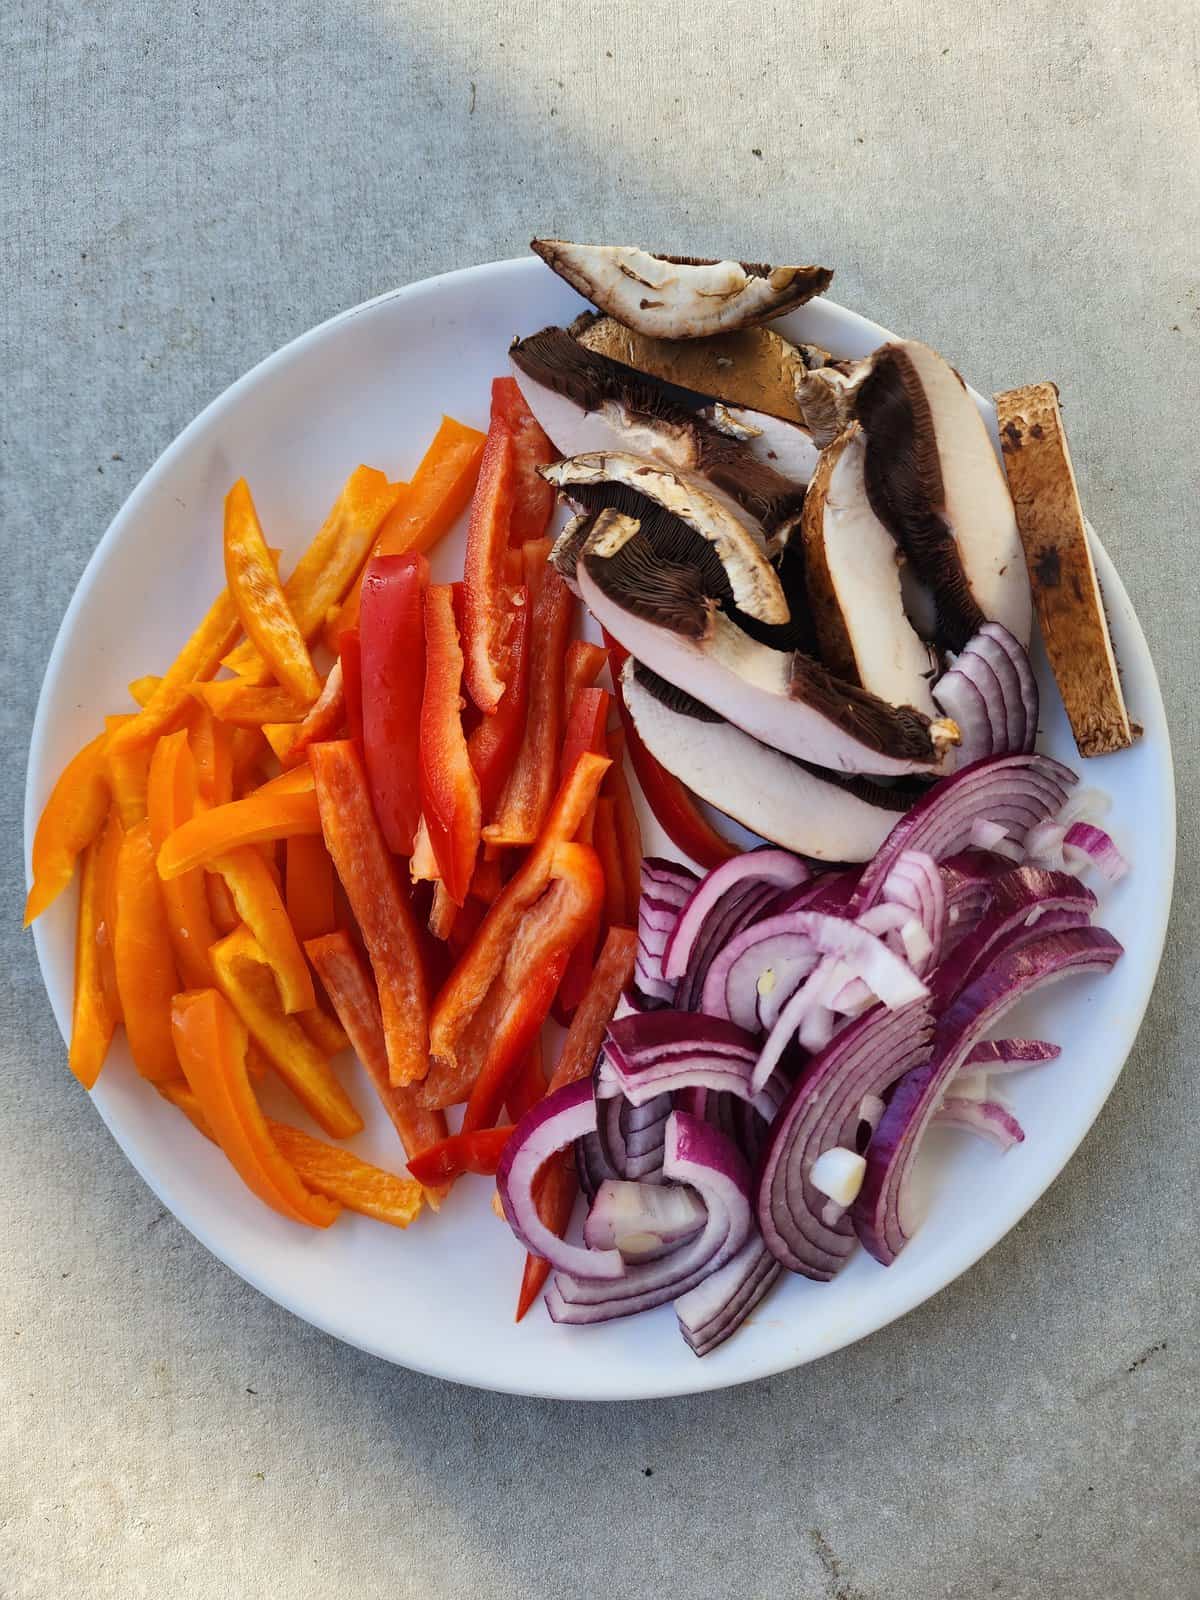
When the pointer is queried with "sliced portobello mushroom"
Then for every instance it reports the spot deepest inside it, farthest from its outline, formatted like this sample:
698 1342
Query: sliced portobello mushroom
680 297
588 403
673 523
783 446
1066 590
665 615
757 368
935 481
825 397
782 800
853 577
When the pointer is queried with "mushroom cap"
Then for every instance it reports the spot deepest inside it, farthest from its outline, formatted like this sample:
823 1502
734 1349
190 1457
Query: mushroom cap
680 297
732 535
852 568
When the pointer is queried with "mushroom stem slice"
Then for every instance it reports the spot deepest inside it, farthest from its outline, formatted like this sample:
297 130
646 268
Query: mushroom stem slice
680 297
934 479
777 798
853 575
1066 590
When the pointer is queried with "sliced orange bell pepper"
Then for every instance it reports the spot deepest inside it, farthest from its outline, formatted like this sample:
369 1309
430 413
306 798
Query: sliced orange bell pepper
308 886
147 977
128 770
352 993
172 800
249 705
326 1032
141 690
251 882
211 743
348 1179
71 818
97 1007
368 875
269 813
587 728
260 601
246 981
477 968
181 1094
326 720
462 1152
530 787
197 661
439 493
221 906
629 829
250 752
555 1189
211 1042
449 788
328 567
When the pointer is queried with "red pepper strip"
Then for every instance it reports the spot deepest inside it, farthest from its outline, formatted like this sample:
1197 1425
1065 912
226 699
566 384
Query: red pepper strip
449 789
594 1013
350 658
325 720
587 727
392 647
73 816
533 497
488 880
629 829
584 663
475 971
532 972
605 840
485 613
443 912
368 874
586 730
555 1188
673 804
462 1152
494 743
467 920
528 1085
352 994
530 787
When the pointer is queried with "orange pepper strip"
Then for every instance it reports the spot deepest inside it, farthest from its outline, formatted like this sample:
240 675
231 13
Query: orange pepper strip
245 979
248 706
211 1041
629 829
141 690
260 601
221 906
439 493
196 662
325 720
251 882
109 848
352 993
96 1009
297 780
368 875
327 568
262 816
71 818
211 743
180 1093
147 978
250 750
476 970
346 1178
326 1032
172 799
308 886
128 772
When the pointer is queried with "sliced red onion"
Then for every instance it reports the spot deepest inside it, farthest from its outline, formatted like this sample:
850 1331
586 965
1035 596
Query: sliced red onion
988 1118
823 1109
880 1212
657 919
1025 900
991 693
592 1165
986 835
1027 688
643 1221
959 698
1018 791
667 880
669 1051
1095 846
708 1162
778 869
1010 1055
915 882
735 913
830 892
550 1126
718 1306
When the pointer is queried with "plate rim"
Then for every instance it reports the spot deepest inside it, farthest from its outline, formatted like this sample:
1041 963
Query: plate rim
891 1312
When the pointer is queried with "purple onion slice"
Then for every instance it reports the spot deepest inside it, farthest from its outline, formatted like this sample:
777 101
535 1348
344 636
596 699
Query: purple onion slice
778 869
718 1306
988 1118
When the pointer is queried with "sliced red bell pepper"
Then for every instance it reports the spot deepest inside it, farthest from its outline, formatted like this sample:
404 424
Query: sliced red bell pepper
530 787
488 598
555 1189
583 665
587 727
528 1084
467 919
673 804
604 837
368 874
325 720
493 745
392 646
488 879
350 660
628 827
586 731
461 1152
473 975
449 789
594 1012
533 497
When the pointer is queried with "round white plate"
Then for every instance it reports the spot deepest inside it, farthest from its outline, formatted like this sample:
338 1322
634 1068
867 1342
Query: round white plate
370 386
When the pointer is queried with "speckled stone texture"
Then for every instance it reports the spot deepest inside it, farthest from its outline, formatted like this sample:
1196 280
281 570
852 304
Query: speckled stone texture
184 187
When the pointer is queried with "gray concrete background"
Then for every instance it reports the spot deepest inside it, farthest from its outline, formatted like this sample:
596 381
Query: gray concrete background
186 186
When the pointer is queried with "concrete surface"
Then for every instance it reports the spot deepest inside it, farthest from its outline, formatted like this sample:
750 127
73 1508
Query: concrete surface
186 186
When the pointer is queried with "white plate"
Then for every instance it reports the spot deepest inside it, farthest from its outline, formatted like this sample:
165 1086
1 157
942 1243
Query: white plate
370 386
